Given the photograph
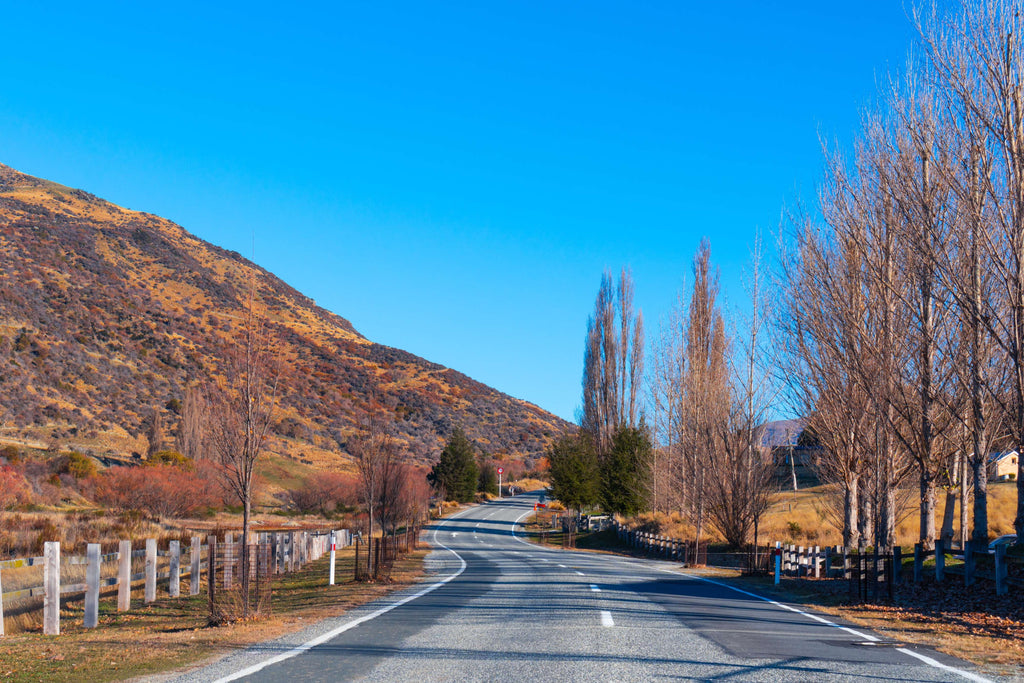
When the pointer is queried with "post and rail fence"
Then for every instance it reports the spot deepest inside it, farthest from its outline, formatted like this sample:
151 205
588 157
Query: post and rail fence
64 580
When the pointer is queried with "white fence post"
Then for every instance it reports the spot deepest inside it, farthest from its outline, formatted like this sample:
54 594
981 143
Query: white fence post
124 576
92 586
51 588
150 593
228 559
197 554
173 582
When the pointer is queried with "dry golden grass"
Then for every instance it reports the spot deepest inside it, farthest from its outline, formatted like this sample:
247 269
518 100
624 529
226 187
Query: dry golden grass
529 484
812 516
173 633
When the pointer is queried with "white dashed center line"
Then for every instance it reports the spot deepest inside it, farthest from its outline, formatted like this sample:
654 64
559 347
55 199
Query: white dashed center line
594 588
606 618
580 573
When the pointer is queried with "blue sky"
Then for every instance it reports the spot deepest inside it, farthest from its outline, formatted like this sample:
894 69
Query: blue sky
452 177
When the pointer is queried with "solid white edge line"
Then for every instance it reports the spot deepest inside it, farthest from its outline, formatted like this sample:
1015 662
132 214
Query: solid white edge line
945 667
355 622
866 636
606 618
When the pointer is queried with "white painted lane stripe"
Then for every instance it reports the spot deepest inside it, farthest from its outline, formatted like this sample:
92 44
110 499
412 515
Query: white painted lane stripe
581 573
815 617
606 618
594 588
866 636
563 566
939 665
248 671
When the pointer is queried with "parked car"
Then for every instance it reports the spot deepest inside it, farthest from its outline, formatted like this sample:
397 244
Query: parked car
1005 539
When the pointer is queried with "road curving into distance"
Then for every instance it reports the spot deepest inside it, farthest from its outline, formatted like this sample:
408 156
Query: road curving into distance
497 608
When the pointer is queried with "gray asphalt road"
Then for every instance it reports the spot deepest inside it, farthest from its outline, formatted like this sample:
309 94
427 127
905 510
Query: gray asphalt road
499 609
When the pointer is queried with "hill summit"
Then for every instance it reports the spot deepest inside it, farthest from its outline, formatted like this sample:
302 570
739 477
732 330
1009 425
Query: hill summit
107 315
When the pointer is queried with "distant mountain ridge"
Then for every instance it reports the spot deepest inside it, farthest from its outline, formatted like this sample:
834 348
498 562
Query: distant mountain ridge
106 315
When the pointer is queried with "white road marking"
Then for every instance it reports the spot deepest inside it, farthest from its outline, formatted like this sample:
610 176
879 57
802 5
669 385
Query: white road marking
563 566
939 665
594 588
866 636
581 573
606 618
249 670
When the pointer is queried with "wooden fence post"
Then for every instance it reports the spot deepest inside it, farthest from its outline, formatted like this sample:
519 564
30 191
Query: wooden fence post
150 594
51 588
196 558
174 582
968 563
940 560
124 576
918 562
897 564
92 586
1001 569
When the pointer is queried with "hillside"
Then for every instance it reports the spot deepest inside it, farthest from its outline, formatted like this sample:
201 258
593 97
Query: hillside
107 314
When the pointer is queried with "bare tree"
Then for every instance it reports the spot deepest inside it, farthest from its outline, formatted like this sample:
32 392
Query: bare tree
191 438
242 406
155 434
613 362
705 398
376 454
977 56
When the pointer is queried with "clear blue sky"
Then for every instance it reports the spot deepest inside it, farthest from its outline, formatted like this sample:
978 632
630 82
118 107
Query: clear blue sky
451 177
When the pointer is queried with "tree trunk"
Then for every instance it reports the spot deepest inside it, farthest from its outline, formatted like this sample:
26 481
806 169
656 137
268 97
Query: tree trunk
851 529
246 512
927 511
980 471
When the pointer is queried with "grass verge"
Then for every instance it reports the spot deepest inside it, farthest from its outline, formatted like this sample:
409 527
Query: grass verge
172 633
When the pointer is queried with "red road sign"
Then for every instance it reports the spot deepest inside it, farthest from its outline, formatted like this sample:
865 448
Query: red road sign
501 470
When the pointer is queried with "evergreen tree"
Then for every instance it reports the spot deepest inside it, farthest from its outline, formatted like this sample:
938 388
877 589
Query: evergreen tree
625 471
488 482
455 473
575 475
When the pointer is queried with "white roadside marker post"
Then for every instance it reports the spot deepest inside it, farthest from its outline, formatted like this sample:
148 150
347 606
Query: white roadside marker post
778 560
331 581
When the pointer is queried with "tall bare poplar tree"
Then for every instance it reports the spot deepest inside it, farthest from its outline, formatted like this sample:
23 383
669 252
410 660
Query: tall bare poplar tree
243 404
613 362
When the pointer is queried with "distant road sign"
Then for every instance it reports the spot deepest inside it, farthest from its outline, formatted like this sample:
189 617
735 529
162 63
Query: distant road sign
501 470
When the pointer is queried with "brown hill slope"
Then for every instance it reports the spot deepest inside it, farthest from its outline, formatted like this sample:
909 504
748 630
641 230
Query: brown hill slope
106 314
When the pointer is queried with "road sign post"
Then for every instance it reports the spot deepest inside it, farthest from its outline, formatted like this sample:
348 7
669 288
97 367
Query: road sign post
501 470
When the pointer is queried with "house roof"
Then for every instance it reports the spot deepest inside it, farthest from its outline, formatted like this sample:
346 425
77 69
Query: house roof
1003 455
781 432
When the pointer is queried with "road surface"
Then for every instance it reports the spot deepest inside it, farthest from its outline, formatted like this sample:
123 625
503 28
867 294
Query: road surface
496 608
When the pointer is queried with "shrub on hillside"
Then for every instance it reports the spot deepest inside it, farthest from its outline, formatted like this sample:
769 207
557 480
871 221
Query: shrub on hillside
159 490
325 492
170 458
80 466
14 488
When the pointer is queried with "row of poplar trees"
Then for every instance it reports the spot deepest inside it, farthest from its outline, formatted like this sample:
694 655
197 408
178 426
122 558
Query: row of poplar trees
903 293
